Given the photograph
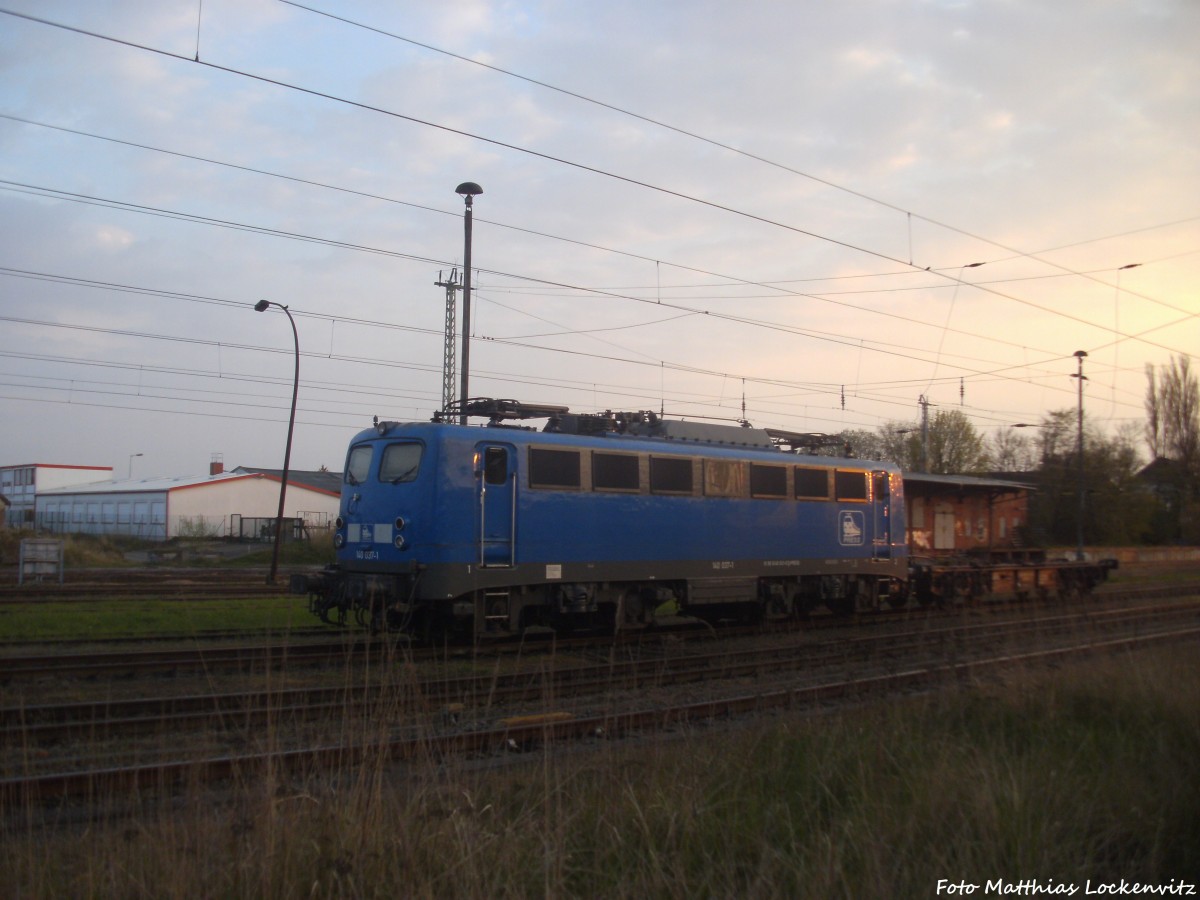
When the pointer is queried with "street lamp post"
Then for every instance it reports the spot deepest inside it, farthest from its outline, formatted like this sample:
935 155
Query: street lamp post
468 190
1079 356
132 456
261 306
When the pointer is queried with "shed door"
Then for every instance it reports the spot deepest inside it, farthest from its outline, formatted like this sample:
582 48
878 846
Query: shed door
496 482
943 528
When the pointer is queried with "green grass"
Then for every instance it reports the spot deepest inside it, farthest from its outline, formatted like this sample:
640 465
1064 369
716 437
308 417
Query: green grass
48 620
1082 773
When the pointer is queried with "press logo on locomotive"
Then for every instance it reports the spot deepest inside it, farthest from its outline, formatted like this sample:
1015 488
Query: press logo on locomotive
851 526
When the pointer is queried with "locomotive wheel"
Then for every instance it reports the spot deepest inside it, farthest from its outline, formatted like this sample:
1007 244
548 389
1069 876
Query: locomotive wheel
898 599
803 604
630 609
435 630
845 604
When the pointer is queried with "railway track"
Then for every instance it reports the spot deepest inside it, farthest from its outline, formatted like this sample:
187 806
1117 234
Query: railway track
126 642
169 714
109 664
901 662
173 582
167 590
55 663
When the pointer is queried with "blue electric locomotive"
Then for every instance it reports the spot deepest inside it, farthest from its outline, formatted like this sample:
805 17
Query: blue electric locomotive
597 521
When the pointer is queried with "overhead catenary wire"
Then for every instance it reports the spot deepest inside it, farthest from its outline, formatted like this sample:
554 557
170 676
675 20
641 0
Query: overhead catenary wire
777 287
545 156
516 342
660 123
955 286
837 338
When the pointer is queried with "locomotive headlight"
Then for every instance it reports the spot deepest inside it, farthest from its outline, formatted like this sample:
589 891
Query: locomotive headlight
339 523
400 542
400 523
339 541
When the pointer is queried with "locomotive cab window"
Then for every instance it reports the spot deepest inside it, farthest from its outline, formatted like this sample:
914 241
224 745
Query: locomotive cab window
400 463
554 468
358 466
851 485
615 472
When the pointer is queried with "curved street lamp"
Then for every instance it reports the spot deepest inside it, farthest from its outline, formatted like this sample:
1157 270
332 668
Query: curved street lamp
468 190
261 306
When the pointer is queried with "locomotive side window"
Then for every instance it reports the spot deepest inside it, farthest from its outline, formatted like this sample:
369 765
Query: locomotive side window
724 478
670 475
400 463
615 472
811 484
554 468
768 481
851 485
358 466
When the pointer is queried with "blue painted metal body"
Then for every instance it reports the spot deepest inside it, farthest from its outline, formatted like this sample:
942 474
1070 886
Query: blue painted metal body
472 520
442 517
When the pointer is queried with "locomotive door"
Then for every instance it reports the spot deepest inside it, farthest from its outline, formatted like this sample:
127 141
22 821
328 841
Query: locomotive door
881 497
496 477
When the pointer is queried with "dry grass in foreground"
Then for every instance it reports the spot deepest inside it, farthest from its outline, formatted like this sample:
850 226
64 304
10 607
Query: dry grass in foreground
1091 772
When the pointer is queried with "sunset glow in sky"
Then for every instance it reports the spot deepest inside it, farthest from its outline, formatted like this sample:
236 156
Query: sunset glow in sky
825 210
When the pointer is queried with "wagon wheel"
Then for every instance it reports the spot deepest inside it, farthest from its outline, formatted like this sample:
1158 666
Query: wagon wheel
963 588
1068 586
945 594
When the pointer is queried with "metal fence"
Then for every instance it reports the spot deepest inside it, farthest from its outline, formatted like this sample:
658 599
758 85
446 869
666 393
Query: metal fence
257 528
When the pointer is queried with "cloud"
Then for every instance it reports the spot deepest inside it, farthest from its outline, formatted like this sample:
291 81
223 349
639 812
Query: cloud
655 267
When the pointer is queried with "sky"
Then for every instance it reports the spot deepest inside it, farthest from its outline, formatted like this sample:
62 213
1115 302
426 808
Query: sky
806 214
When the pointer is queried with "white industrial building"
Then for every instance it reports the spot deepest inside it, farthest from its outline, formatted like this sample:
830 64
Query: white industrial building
241 503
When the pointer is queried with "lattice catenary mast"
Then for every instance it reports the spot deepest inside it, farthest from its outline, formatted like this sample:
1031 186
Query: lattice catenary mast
448 375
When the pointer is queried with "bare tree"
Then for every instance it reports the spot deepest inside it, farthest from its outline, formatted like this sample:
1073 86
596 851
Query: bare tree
1173 413
1012 452
1180 399
901 442
857 443
955 447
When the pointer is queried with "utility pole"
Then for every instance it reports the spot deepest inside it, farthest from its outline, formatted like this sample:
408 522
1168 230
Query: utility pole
1079 356
924 401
